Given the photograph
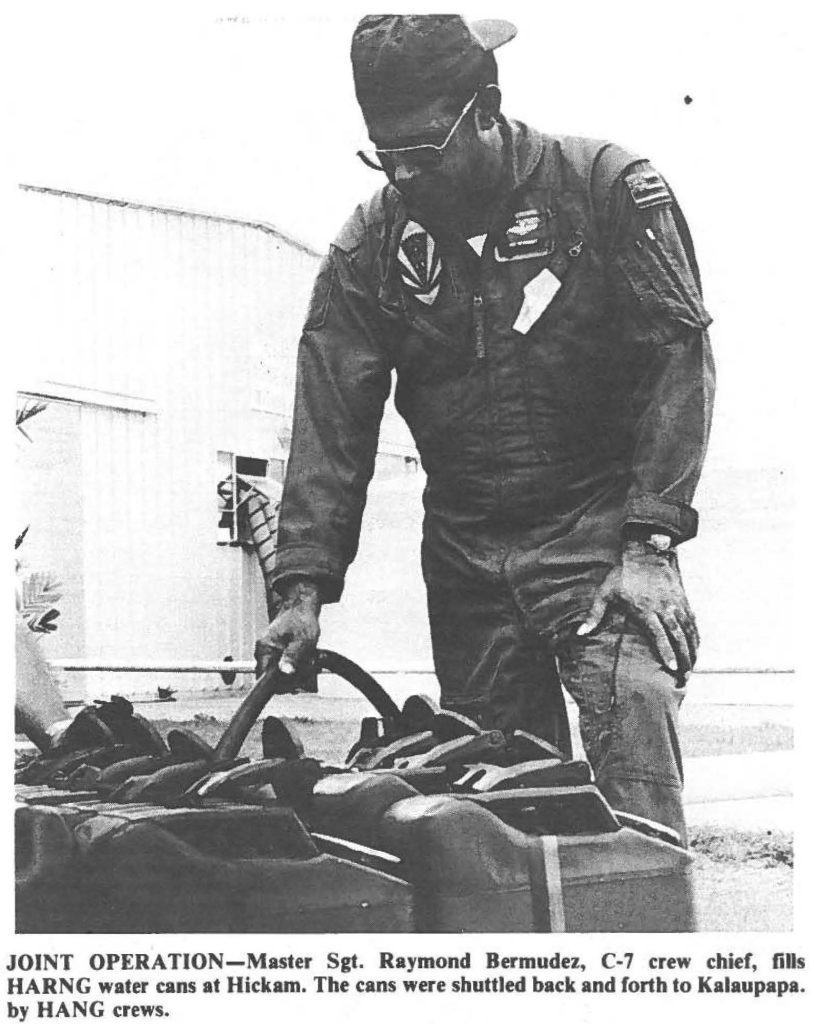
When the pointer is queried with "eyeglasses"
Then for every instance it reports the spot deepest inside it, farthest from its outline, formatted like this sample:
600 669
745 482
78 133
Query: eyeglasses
426 154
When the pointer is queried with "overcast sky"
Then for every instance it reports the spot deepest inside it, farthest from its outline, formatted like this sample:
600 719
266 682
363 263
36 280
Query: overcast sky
248 110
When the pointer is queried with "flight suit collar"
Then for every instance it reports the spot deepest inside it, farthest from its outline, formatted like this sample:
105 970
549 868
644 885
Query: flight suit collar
524 148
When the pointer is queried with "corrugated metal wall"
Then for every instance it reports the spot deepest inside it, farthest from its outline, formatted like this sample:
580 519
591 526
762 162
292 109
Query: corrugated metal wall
180 310
199 317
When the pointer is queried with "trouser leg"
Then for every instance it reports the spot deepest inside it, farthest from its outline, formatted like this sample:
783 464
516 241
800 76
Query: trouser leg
490 668
628 710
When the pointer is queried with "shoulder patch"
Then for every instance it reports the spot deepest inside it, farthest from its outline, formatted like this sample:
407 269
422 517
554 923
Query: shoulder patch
352 233
365 223
647 189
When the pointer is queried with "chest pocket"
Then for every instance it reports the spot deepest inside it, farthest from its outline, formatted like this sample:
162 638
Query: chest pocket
657 272
538 269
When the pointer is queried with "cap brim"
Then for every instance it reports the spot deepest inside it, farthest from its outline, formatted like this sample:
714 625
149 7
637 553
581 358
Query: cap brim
492 32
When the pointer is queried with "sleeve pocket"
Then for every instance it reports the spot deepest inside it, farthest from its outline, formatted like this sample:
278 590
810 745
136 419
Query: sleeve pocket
657 272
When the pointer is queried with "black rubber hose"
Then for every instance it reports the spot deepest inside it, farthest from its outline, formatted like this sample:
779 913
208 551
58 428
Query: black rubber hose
273 681
247 714
330 661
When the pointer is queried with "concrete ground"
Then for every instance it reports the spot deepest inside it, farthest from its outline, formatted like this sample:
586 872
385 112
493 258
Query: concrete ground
748 791
740 898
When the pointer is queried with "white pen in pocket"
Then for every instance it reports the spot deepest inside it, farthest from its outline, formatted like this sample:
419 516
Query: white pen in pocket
537 296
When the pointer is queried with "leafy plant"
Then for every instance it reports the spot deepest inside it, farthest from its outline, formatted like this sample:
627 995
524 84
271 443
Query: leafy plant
29 408
39 592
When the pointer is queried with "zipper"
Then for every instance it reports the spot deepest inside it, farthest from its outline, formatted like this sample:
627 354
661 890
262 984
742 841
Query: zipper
479 325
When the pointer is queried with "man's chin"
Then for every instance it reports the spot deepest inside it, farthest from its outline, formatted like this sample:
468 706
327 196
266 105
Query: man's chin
454 213
434 212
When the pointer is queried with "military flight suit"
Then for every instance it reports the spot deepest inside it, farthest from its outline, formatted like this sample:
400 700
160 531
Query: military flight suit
557 380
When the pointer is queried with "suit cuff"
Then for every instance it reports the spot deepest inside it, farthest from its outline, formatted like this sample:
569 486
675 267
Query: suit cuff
664 515
310 563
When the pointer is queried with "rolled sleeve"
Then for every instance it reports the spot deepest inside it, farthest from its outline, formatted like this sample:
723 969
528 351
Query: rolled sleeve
665 516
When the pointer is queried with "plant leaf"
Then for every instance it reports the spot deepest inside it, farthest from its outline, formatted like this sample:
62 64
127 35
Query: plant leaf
27 410
42 622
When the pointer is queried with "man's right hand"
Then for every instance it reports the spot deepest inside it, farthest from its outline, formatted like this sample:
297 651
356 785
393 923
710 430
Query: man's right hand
295 629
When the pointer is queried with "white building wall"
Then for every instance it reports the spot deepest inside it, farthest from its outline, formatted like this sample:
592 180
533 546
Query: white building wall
191 323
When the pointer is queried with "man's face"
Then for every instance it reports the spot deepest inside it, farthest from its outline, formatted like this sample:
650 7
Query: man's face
450 188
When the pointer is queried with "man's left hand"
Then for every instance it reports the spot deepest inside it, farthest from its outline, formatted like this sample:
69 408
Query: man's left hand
647 586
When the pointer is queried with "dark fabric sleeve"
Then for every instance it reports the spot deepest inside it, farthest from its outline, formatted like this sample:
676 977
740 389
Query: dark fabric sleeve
662 322
343 380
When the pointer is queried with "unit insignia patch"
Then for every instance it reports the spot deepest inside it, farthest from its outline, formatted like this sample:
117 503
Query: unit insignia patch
530 234
420 263
647 188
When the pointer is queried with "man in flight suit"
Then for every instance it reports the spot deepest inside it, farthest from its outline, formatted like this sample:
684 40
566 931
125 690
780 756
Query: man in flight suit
539 300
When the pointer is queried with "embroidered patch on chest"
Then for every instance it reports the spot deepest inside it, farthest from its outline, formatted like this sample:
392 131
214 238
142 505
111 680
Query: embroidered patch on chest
648 188
419 263
530 234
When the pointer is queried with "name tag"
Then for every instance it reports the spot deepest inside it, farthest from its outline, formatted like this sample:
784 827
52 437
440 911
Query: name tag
537 296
